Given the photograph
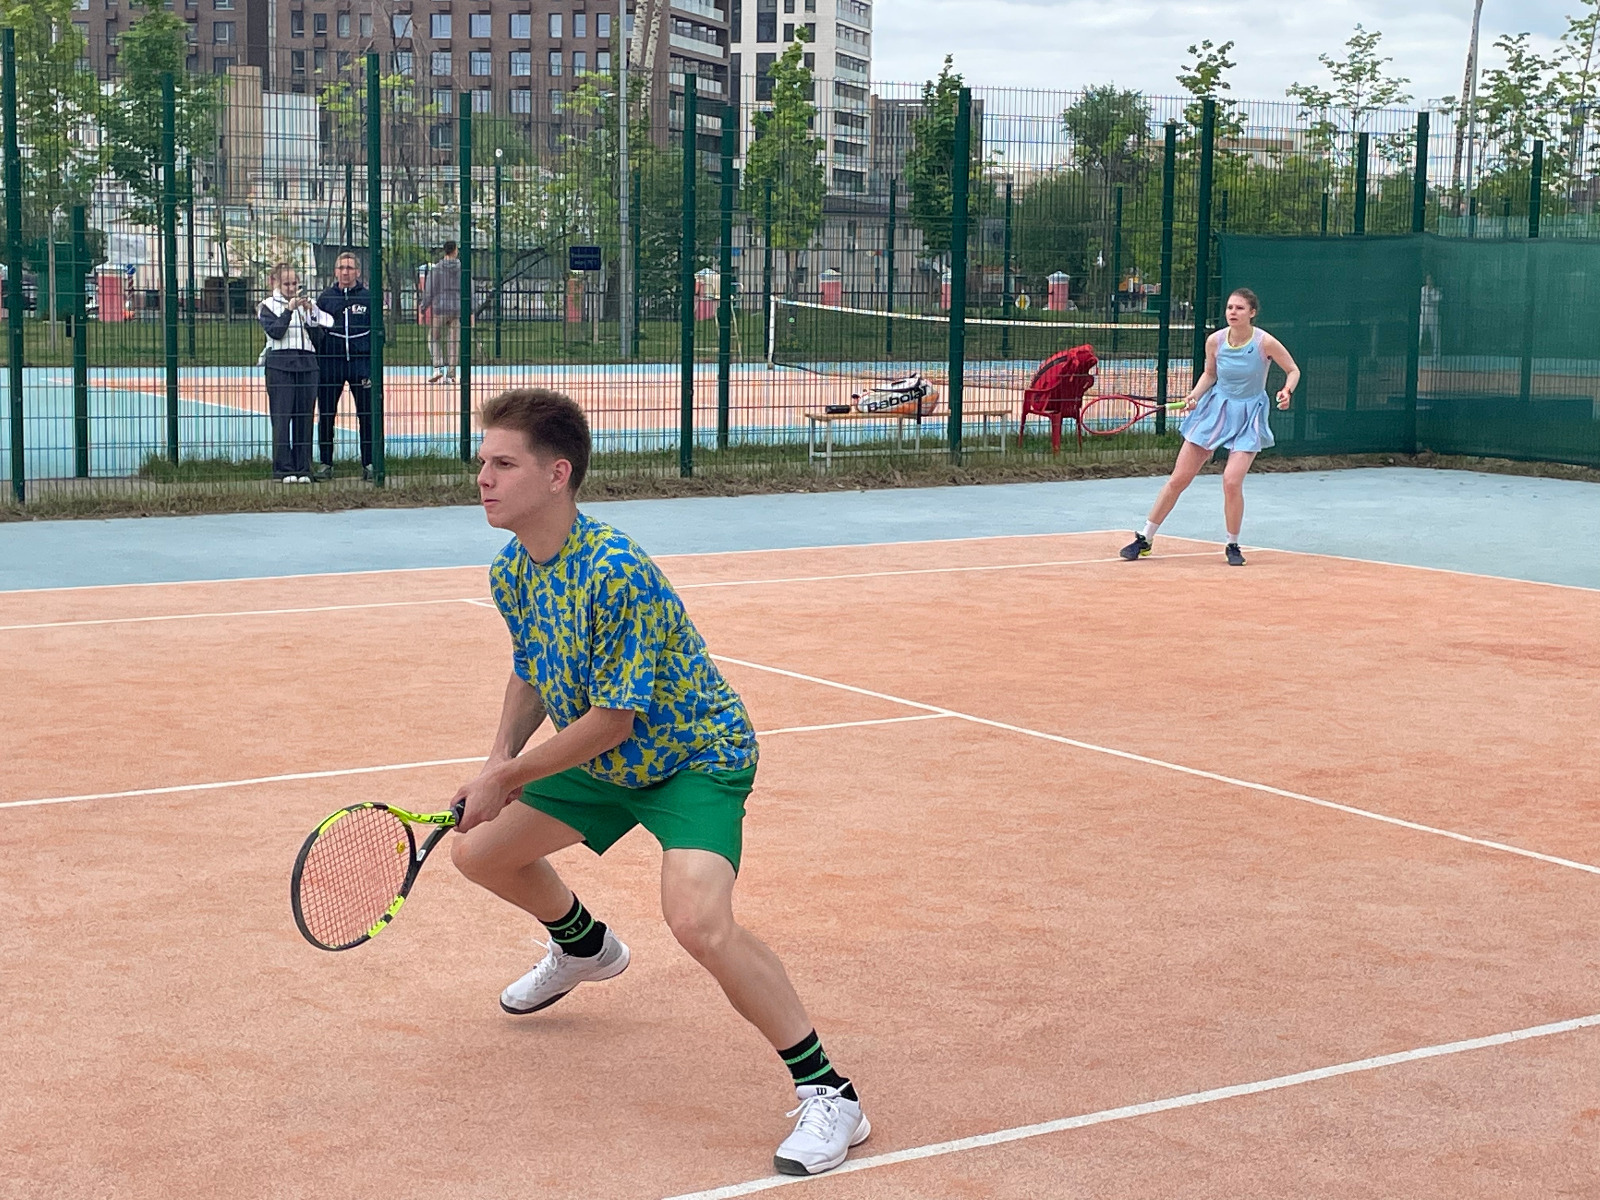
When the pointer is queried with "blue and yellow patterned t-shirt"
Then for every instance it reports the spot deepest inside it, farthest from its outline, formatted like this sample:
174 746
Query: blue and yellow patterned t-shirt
599 625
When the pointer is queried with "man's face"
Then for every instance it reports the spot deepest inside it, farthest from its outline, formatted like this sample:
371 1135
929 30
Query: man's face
345 272
515 484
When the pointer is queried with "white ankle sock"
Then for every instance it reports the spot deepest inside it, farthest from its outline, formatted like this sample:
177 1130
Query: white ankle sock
1233 539
1149 530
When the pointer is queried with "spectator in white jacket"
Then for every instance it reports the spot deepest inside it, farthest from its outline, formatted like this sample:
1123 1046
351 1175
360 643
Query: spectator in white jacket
291 362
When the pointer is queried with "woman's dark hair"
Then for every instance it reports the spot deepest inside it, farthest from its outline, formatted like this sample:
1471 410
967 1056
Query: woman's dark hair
1249 297
551 421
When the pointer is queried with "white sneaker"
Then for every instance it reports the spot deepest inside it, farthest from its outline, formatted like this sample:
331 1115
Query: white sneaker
558 972
829 1125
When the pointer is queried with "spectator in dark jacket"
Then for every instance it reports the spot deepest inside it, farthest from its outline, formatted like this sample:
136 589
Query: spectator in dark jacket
441 298
346 358
291 363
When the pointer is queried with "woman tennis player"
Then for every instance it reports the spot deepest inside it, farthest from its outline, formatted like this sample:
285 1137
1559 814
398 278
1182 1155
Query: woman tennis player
1227 407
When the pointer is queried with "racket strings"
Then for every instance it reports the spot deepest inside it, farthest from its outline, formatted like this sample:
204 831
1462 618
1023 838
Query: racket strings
352 874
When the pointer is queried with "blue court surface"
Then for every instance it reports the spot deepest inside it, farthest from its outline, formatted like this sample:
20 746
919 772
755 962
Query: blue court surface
1513 526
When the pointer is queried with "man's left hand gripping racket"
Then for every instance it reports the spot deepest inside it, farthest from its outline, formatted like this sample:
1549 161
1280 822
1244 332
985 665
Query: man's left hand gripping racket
355 870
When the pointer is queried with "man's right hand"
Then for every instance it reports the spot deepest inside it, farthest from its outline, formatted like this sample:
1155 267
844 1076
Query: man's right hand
484 797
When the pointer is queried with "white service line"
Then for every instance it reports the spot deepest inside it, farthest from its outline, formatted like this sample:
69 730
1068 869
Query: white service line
1129 756
252 612
682 587
411 766
1129 1111
988 537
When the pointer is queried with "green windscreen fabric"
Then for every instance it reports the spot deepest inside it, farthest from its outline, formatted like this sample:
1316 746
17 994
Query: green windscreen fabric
1497 341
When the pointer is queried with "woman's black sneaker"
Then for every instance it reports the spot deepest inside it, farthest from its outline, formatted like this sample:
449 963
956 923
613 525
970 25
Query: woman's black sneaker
1235 556
1138 548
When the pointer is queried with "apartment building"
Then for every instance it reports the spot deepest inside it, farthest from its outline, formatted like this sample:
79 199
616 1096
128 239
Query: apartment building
839 53
221 33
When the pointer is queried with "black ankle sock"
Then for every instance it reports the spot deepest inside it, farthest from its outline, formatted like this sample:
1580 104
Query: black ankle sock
808 1065
578 933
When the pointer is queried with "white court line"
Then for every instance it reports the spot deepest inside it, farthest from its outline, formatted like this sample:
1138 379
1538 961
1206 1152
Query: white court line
1196 772
683 587
1384 562
987 537
252 612
411 766
1130 1111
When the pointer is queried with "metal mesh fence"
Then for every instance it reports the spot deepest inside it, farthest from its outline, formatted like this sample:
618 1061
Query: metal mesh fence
707 309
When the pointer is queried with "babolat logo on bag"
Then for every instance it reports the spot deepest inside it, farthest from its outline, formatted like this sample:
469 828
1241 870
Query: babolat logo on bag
912 396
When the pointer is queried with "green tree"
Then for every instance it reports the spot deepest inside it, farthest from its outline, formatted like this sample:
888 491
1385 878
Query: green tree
1206 79
1110 131
787 157
930 161
1578 82
154 46
1361 86
57 105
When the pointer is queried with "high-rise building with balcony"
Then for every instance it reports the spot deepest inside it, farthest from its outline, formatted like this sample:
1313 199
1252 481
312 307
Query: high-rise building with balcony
839 54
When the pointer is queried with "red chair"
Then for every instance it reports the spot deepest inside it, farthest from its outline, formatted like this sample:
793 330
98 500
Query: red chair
1057 392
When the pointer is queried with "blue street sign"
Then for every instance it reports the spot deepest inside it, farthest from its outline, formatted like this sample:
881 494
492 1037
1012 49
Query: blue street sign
583 258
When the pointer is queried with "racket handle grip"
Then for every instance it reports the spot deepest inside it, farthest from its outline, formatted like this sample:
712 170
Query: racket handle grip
458 810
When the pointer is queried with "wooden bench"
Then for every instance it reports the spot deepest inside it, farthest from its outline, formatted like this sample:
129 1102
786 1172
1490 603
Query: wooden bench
936 425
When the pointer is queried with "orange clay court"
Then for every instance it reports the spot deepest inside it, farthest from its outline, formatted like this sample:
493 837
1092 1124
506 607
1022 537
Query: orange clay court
1102 880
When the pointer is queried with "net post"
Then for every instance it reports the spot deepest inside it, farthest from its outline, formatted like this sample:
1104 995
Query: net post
169 253
80 342
1005 276
464 196
960 178
766 266
686 249
14 298
375 259
1535 187
730 147
1419 176
1363 153
1169 179
1202 241
889 249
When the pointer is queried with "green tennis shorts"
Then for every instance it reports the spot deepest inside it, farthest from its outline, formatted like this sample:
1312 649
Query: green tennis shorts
692 810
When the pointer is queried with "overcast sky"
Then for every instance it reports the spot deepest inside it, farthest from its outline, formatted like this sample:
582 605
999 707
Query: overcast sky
1068 44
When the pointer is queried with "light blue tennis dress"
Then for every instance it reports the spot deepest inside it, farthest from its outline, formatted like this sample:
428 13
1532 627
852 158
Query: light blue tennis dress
1234 412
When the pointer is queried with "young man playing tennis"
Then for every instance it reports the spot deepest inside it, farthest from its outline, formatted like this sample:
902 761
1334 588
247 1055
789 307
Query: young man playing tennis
647 732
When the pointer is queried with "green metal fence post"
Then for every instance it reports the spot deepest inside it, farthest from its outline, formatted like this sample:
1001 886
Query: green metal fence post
349 205
636 232
375 258
464 190
1116 268
1202 242
769 316
1535 187
730 147
960 175
1169 179
1005 277
1363 153
14 299
1324 212
888 322
80 342
1419 177
499 261
192 307
169 253
686 250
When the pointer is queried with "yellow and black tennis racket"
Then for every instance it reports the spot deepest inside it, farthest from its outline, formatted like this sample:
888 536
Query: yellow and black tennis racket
356 869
